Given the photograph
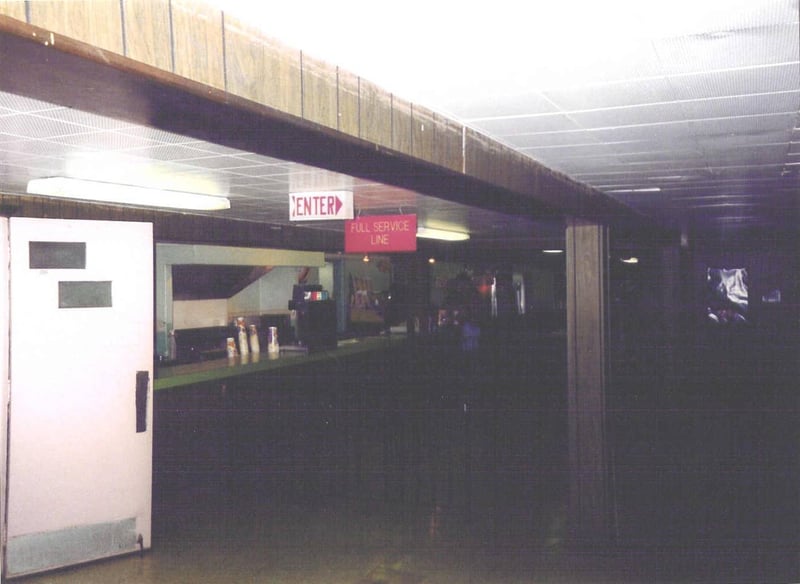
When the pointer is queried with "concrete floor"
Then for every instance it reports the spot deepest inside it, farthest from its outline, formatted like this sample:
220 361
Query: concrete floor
297 544
704 488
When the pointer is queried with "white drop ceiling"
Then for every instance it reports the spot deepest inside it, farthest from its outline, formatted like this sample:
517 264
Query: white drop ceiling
687 111
695 123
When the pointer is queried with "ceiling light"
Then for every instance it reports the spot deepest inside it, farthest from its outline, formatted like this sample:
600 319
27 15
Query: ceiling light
552 251
441 234
106 192
642 190
631 260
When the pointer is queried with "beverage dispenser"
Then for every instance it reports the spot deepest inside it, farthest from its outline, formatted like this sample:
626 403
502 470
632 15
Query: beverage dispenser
316 317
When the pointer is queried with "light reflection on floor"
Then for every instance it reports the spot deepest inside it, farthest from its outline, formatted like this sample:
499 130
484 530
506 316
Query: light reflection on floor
327 546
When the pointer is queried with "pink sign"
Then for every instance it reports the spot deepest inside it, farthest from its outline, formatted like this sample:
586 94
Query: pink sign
381 233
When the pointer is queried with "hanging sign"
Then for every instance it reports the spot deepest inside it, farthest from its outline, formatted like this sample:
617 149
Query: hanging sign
381 233
320 206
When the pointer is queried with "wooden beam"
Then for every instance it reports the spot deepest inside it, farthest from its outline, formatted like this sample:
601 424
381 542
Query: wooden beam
344 123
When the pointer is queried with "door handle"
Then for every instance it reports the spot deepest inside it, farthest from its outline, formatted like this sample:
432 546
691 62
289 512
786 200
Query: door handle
142 385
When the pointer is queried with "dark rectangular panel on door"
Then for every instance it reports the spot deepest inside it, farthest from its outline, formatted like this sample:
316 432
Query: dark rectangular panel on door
57 255
84 294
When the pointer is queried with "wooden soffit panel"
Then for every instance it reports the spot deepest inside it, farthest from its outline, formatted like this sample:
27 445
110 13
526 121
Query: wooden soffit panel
480 156
422 132
148 36
402 122
320 92
13 8
447 151
348 93
97 23
261 69
197 42
375 114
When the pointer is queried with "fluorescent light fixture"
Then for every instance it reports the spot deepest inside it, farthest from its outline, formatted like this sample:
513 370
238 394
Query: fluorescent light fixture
107 192
641 190
630 260
441 234
552 251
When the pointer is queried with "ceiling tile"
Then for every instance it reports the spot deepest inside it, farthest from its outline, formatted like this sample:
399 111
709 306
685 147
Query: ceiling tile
216 162
621 117
635 91
554 139
567 152
753 125
493 102
82 119
744 105
33 126
665 131
508 127
165 153
730 49
767 79
104 141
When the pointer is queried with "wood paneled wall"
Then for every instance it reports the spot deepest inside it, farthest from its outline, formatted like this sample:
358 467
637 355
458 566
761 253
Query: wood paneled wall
203 44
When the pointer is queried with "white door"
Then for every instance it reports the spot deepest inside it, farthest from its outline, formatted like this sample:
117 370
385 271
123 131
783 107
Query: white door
80 414
3 368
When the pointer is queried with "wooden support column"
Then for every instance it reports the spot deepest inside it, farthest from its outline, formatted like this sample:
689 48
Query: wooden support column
673 318
587 378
